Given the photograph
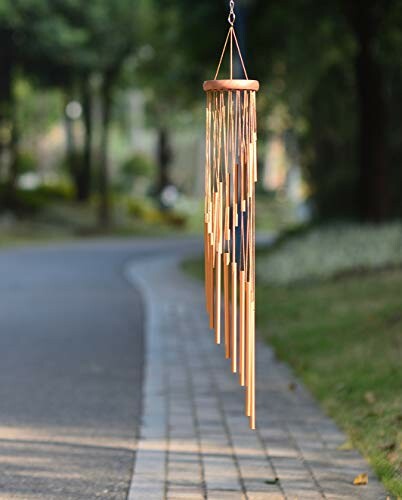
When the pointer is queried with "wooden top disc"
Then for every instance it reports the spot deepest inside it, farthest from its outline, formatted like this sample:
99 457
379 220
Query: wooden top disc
231 85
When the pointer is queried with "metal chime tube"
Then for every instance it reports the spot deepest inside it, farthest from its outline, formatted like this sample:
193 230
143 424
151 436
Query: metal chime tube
229 224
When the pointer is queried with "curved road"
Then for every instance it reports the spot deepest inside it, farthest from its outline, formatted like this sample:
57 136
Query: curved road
71 356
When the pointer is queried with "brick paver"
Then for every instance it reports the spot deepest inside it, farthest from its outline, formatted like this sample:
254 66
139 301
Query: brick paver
195 442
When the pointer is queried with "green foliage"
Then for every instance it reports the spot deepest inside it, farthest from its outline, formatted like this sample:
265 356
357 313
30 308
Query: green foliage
146 210
310 72
308 59
175 59
73 39
26 162
135 174
274 212
304 56
38 109
138 165
31 201
332 251
55 192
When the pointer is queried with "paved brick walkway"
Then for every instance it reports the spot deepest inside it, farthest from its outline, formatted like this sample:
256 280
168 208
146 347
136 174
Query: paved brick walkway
195 442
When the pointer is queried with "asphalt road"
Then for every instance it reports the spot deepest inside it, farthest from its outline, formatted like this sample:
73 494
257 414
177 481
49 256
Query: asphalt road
71 358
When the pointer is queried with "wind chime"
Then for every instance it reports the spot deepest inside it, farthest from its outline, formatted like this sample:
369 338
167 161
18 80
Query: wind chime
229 228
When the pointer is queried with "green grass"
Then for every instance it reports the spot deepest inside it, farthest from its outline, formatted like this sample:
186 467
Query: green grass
344 339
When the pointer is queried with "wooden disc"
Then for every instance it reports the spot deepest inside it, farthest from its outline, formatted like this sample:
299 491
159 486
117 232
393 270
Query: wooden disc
231 85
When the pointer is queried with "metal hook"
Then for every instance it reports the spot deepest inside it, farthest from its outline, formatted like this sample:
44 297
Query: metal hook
232 15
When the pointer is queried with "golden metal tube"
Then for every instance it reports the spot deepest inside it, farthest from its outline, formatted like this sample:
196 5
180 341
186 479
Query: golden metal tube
211 291
227 303
252 366
206 263
242 328
249 350
234 318
217 321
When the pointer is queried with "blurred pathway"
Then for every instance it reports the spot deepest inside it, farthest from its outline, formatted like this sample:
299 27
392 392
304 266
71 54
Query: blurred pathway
71 356
194 441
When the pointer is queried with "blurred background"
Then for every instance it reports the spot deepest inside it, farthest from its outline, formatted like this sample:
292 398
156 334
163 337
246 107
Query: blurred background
101 111
102 133
102 114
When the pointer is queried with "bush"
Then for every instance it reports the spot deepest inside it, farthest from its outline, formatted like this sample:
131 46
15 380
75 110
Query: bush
331 251
138 165
26 162
55 192
145 210
27 201
135 173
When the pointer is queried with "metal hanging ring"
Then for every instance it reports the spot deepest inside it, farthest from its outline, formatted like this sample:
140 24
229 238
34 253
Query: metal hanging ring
232 15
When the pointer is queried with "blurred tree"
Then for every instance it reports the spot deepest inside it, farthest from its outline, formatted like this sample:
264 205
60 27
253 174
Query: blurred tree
8 129
390 51
158 72
39 41
114 32
304 54
60 43
334 70
368 21
98 41
172 65
328 64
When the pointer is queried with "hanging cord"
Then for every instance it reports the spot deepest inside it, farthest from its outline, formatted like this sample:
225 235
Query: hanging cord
232 35
231 20
239 51
223 52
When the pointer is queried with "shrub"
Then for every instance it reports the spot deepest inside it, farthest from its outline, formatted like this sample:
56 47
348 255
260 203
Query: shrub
146 210
138 165
26 162
135 174
330 251
28 201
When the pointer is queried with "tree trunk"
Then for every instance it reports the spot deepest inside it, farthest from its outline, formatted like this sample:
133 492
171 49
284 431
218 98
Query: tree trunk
85 177
9 138
164 154
366 22
373 179
72 156
79 163
6 118
13 169
104 195
5 96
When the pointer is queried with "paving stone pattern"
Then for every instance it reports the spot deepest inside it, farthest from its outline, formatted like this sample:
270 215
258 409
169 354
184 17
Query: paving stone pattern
195 442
